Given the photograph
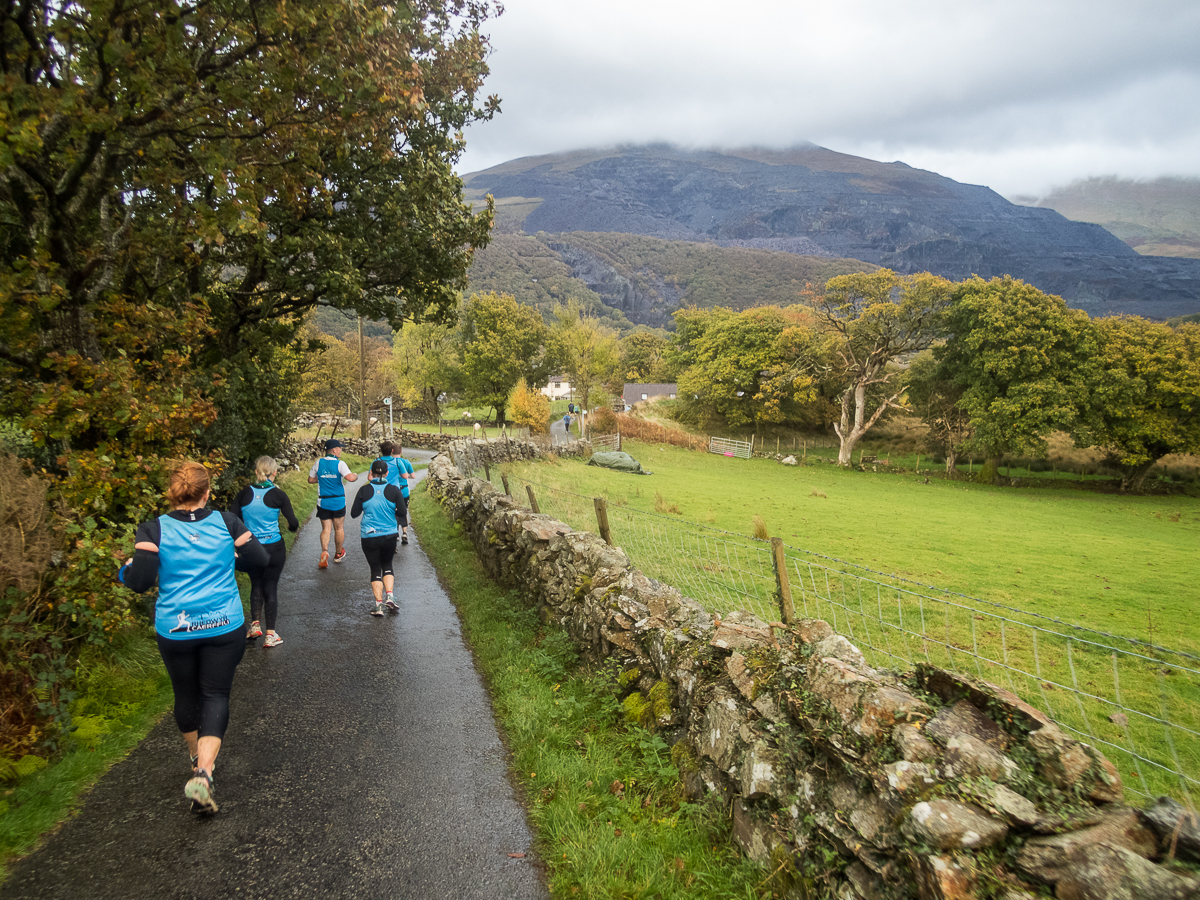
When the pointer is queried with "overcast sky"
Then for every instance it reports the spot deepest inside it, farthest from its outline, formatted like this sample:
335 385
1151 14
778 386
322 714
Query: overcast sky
1020 96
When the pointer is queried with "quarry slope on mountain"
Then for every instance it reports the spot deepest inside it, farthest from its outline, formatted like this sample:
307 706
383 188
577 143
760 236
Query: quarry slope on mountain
814 201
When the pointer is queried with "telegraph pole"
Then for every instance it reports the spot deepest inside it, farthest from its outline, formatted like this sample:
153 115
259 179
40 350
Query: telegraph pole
362 383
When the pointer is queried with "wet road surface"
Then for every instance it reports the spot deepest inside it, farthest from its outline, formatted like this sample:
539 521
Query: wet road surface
361 760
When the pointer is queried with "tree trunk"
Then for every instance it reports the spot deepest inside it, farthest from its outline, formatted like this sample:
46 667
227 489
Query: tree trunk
951 460
1132 479
989 473
849 434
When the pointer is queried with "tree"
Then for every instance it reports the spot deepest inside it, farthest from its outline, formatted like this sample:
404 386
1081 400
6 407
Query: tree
530 408
642 358
936 400
244 159
747 368
331 380
1023 361
427 365
585 349
500 342
1145 402
877 318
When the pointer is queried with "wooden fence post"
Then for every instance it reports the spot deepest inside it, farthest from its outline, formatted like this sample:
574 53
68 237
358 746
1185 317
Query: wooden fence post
782 582
532 499
487 470
602 520
504 481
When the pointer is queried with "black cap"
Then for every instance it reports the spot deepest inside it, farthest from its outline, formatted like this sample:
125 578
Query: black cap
331 443
379 467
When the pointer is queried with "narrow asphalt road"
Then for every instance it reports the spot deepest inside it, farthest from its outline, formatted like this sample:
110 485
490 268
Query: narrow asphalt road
361 761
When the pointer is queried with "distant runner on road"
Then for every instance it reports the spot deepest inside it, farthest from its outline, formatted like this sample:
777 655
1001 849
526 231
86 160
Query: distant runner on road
191 552
402 474
382 507
260 505
328 472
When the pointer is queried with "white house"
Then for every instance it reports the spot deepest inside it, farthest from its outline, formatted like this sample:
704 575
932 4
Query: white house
557 388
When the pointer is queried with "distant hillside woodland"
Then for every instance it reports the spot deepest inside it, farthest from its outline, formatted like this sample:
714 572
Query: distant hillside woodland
635 280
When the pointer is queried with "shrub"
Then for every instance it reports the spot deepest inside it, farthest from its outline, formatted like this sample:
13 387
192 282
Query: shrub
662 506
760 528
529 408
603 421
34 673
635 429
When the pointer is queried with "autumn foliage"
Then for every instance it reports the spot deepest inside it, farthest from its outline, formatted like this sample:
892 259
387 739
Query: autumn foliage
635 429
529 408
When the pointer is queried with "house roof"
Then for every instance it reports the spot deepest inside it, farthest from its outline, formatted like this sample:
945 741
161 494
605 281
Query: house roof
633 392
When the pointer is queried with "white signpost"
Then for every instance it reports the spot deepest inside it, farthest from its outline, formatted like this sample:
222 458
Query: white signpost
387 401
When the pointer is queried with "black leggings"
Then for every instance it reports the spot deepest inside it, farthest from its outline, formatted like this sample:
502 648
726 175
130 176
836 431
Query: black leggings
264 586
379 551
201 671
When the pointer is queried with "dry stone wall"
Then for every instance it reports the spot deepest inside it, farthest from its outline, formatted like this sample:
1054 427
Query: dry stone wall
844 780
301 453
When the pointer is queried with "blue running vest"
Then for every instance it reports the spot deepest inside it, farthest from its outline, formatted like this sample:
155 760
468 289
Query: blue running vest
395 471
260 518
408 468
330 489
379 513
197 593
397 467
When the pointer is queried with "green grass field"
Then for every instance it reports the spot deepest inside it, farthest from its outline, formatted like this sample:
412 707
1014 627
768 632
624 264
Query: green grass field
935 559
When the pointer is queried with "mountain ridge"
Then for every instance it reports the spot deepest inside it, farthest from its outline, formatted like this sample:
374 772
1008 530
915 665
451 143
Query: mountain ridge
832 204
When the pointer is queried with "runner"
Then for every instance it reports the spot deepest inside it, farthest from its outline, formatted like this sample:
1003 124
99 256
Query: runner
260 505
328 472
382 507
191 552
402 474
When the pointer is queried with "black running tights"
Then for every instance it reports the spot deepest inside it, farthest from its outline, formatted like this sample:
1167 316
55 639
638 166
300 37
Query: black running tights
264 586
201 671
380 551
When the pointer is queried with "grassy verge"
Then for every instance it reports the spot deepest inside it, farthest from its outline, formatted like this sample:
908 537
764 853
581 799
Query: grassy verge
603 795
122 692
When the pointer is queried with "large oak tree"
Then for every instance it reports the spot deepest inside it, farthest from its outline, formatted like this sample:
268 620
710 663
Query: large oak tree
180 182
1023 361
232 163
877 318
1145 401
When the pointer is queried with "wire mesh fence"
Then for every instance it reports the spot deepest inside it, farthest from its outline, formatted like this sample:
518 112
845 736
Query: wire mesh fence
1139 703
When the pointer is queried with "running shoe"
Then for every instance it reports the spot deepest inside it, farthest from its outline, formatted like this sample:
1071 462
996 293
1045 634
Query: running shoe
254 632
199 790
341 554
324 563
391 603
273 640
404 538
378 610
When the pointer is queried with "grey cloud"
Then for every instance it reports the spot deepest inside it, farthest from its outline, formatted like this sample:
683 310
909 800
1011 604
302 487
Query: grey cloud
990 87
